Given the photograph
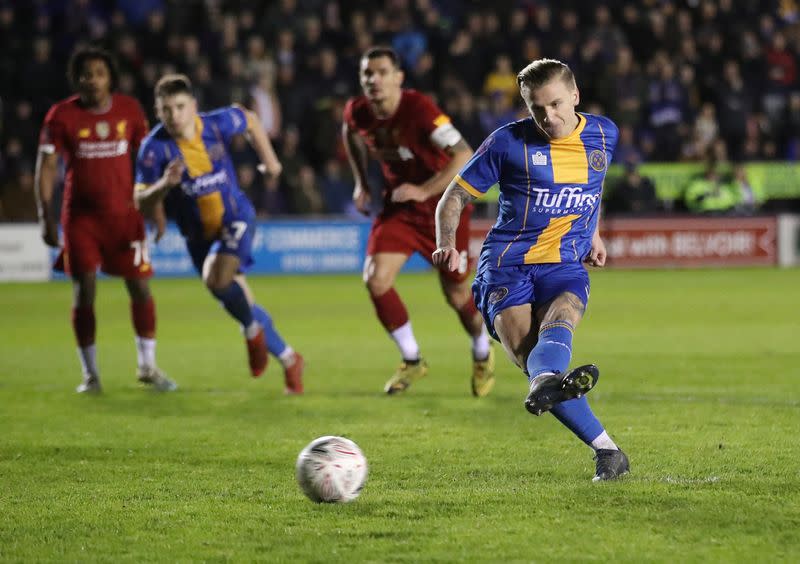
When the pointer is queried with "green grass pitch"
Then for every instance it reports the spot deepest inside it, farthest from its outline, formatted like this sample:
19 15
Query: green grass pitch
699 385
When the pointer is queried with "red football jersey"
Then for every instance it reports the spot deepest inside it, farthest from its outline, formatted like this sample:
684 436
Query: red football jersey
97 149
402 143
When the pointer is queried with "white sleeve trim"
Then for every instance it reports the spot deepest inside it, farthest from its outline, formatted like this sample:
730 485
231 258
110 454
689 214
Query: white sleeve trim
446 135
47 148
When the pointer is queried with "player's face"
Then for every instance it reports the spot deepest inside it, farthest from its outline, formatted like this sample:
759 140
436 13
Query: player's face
380 79
553 107
94 81
176 112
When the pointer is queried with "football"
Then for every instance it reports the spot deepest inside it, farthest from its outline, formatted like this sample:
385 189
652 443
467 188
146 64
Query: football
331 470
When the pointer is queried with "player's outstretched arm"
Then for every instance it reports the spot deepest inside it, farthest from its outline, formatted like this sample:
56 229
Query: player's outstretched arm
44 184
261 144
358 157
448 215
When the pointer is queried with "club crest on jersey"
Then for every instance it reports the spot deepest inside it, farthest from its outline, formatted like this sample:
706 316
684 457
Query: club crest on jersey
121 126
597 160
498 294
102 128
539 158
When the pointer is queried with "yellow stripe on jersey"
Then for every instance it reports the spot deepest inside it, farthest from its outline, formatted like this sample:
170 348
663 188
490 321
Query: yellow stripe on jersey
467 186
140 186
194 152
548 245
211 211
441 120
568 157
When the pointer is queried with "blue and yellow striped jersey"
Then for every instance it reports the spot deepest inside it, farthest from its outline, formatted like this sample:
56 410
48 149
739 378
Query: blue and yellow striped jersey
550 190
209 195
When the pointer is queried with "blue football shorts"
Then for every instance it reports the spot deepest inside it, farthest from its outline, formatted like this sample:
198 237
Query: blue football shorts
496 289
236 238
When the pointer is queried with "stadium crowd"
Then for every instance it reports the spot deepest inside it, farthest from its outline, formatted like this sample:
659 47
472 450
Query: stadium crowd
683 79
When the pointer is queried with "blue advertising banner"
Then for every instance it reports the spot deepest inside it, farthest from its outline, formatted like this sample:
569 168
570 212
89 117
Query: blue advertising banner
282 247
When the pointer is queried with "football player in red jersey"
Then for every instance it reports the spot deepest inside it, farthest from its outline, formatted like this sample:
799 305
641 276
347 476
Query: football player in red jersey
419 152
96 132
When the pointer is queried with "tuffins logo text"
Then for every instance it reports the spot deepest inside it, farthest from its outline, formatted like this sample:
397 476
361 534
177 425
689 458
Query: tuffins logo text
569 198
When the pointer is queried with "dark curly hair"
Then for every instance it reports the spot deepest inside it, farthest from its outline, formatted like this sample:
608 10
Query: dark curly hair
84 54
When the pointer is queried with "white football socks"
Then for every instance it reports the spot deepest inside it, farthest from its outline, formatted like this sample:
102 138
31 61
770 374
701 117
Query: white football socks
404 337
87 356
252 330
287 357
603 441
480 345
145 352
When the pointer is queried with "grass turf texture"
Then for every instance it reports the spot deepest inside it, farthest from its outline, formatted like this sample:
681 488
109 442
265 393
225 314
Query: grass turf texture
699 385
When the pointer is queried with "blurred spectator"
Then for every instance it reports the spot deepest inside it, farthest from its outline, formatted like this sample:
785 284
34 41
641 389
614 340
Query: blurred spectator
734 104
305 196
502 80
633 194
264 102
463 110
671 74
273 199
667 106
337 189
748 198
627 151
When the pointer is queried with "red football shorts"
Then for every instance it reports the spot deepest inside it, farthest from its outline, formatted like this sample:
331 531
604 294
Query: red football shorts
403 233
116 243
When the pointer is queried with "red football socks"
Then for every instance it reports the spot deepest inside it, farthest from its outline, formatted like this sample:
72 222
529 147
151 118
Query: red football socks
83 324
143 315
390 309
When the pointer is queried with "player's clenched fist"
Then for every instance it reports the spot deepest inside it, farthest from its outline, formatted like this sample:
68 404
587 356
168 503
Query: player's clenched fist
174 172
447 258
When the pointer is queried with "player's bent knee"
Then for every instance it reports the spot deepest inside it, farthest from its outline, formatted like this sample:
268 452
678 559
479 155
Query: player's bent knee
216 283
379 285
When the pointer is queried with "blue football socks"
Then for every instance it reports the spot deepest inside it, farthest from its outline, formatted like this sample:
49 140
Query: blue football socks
235 302
275 343
577 416
552 353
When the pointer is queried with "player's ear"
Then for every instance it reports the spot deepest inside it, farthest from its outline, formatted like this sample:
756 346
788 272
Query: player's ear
577 97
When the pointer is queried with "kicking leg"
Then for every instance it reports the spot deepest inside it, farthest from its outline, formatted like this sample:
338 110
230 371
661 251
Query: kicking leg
564 395
380 271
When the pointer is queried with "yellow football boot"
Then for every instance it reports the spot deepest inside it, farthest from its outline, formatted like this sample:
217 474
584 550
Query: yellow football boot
406 375
483 375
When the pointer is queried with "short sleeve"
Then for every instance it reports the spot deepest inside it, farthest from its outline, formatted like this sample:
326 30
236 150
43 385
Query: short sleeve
229 121
482 171
52 137
149 163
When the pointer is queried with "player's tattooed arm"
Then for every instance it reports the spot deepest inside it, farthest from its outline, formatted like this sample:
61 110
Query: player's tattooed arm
358 156
448 216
